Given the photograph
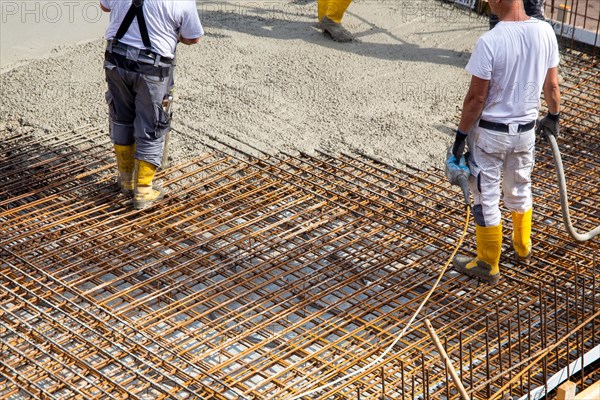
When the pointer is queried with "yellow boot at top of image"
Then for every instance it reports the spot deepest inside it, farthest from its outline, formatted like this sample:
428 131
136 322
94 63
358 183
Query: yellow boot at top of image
333 9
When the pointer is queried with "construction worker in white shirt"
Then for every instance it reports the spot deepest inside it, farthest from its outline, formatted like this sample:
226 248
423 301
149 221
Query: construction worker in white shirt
141 40
330 13
510 66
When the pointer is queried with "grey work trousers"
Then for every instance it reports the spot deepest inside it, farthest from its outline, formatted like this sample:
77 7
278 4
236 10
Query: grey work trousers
136 114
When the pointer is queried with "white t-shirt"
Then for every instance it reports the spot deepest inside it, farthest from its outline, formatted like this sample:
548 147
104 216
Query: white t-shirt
165 19
514 57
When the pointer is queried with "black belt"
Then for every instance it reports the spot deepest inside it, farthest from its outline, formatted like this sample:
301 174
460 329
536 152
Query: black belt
134 54
496 126
137 66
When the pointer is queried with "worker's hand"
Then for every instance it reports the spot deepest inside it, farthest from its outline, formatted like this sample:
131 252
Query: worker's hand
458 148
456 167
550 124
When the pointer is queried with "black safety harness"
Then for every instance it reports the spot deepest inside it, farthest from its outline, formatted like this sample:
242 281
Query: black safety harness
136 10
144 61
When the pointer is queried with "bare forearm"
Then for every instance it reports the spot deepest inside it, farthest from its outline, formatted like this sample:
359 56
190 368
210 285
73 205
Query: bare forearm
472 108
188 41
552 90
473 103
552 96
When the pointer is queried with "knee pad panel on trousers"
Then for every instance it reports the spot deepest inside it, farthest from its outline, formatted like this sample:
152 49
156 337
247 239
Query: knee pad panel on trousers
478 215
149 150
486 197
121 134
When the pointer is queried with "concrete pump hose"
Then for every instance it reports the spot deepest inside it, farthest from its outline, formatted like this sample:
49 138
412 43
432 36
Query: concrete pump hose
564 201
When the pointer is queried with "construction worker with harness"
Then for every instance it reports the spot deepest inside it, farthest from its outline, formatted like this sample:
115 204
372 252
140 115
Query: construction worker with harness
141 40
510 66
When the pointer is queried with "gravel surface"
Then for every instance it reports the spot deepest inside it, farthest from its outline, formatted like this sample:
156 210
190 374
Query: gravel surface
265 76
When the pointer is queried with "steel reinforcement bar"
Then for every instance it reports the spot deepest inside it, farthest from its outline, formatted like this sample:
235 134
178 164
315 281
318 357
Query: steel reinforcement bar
262 277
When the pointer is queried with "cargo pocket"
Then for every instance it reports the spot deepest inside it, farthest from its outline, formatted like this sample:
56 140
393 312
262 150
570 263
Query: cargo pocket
163 122
491 147
524 154
526 146
112 110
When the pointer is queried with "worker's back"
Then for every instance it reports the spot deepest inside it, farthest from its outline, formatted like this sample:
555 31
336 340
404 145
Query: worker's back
517 56
164 19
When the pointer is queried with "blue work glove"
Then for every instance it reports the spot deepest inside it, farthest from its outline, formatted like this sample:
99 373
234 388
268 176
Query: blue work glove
456 169
458 148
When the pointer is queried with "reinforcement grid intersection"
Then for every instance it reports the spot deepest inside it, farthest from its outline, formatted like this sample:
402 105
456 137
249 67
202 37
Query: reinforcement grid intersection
259 277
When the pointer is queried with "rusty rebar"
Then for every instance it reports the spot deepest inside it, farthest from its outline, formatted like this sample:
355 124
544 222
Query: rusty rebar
260 275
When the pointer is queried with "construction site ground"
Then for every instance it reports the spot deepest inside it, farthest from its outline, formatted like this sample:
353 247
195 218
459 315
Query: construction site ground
284 259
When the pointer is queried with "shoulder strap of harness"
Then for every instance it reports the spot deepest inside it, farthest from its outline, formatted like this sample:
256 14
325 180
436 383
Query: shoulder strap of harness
136 10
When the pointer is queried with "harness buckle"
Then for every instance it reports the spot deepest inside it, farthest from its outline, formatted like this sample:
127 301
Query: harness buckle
133 53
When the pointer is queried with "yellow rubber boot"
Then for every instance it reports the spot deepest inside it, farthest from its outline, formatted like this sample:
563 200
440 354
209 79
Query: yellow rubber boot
145 194
521 237
333 9
331 13
485 265
125 165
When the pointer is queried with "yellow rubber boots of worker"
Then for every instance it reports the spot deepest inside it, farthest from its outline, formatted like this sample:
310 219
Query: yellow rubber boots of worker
330 18
145 194
485 265
521 237
125 165
332 9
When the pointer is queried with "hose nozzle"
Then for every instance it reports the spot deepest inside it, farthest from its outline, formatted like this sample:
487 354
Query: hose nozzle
458 173
463 182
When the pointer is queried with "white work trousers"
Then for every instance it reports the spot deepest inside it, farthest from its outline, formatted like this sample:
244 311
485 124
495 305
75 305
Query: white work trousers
499 156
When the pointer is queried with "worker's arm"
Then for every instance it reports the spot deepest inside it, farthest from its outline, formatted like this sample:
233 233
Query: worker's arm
552 91
550 124
190 30
473 103
472 107
105 9
188 41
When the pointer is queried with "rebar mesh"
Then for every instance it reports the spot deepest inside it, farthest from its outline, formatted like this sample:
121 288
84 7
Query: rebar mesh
260 277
